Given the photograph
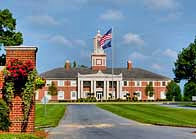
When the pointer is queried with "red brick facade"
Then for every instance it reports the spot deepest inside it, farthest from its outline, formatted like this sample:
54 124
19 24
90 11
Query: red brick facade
16 113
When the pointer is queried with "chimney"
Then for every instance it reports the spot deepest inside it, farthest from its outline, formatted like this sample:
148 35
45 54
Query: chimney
129 65
67 65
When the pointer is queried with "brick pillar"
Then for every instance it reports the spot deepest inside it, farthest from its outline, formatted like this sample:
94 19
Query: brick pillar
22 53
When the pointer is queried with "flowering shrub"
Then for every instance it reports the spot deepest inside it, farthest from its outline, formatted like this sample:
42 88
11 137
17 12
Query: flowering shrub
21 77
17 70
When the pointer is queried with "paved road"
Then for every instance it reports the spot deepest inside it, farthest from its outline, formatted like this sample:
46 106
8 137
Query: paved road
90 122
177 106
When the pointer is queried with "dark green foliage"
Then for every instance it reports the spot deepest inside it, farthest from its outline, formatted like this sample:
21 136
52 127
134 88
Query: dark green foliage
173 91
149 90
4 116
189 90
74 65
2 59
52 89
185 65
8 35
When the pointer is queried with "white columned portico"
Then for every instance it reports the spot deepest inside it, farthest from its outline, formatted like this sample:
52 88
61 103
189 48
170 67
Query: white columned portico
117 90
82 92
94 88
104 91
79 96
107 88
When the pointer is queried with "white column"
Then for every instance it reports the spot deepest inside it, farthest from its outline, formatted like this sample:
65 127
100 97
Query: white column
79 96
120 89
94 88
117 90
82 93
104 91
107 88
92 91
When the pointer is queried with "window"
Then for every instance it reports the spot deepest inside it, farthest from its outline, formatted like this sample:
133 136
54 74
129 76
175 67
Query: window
87 83
163 95
163 83
47 95
125 83
60 83
48 82
73 83
98 62
110 84
138 83
73 95
60 95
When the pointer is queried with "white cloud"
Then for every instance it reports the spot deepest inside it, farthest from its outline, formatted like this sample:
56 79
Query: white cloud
170 53
131 38
80 42
63 41
112 15
161 4
43 20
137 55
60 40
156 66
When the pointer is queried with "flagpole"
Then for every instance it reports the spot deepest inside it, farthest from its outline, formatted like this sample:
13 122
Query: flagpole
113 63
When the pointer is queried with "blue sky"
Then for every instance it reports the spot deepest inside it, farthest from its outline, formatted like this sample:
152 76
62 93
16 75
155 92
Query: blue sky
148 32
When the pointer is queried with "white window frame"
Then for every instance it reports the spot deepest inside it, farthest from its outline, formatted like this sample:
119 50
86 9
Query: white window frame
140 83
61 82
140 97
150 98
123 94
73 83
127 83
48 82
162 83
36 95
73 98
161 96
46 94
59 97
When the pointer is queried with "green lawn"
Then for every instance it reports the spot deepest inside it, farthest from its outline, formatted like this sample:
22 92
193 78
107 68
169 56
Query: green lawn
188 104
154 114
54 113
18 136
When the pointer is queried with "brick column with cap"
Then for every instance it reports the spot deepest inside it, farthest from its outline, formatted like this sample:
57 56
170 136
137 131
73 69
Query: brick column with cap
22 53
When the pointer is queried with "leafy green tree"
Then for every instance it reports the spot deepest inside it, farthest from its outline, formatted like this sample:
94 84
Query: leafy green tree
149 90
189 90
185 68
8 34
74 65
52 89
83 66
173 91
4 116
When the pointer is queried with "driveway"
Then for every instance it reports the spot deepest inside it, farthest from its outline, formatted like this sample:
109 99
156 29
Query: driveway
90 122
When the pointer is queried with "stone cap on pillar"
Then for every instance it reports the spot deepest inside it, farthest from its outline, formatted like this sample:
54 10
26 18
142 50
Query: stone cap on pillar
21 47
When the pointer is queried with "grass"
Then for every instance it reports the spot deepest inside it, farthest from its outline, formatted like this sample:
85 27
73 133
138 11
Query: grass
54 112
154 114
192 104
18 136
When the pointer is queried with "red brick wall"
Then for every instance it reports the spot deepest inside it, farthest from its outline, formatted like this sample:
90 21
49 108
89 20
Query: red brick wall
16 114
132 88
98 68
67 88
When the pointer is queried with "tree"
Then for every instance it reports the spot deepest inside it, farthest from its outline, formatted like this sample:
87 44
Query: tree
189 90
83 66
74 65
149 90
185 69
52 89
8 34
173 91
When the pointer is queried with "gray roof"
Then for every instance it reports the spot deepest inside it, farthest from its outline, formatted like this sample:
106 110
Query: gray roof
133 74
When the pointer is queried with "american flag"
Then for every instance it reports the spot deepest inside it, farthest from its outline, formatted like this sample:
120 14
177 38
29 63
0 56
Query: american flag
105 37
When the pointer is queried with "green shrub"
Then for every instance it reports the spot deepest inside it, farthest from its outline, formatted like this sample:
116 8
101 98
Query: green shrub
18 136
4 116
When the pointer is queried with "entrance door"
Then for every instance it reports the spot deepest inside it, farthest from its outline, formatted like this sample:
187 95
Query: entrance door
99 95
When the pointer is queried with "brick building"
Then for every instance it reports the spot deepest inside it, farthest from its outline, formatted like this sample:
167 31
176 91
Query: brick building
75 83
